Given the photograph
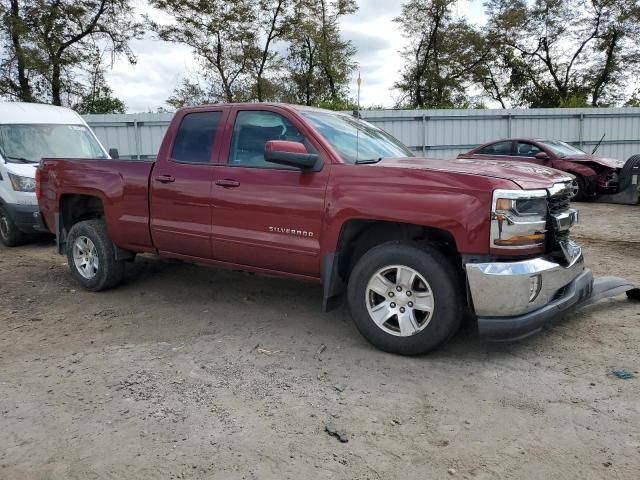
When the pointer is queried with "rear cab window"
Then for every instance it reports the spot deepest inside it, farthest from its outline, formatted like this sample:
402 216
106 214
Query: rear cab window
195 137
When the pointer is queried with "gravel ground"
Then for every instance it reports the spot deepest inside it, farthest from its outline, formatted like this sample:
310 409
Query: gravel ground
189 372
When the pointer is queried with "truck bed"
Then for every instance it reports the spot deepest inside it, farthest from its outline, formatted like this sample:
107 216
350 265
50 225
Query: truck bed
122 184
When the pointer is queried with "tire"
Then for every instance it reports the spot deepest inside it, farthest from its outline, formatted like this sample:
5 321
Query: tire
10 235
626 174
433 274
86 242
580 186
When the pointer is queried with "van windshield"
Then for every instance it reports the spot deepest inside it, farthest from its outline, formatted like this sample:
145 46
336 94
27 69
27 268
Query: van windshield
21 143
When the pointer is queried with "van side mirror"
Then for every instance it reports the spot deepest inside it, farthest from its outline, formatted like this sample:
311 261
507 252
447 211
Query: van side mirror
113 153
542 156
291 154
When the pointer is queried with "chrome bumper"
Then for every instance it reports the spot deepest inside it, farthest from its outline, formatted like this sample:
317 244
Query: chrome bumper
503 289
501 294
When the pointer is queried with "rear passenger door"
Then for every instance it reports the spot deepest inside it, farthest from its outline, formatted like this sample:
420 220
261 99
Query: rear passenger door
181 185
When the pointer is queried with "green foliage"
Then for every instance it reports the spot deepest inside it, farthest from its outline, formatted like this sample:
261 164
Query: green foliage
564 53
320 62
634 101
235 43
442 54
99 97
46 45
541 53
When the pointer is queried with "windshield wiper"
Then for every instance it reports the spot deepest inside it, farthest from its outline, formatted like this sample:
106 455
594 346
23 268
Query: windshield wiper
21 159
368 160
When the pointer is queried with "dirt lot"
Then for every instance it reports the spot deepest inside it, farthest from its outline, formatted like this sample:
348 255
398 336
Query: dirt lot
188 372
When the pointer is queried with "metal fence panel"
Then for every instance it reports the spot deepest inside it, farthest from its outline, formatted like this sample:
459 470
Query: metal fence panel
431 133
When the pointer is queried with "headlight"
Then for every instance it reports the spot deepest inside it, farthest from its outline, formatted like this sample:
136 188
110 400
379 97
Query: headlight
518 219
22 184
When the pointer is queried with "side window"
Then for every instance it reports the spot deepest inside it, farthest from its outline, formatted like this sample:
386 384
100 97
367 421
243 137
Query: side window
195 136
500 148
252 130
525 149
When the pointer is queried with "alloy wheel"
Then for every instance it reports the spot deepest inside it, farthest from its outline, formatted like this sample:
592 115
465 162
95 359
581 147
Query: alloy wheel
85 257
399 300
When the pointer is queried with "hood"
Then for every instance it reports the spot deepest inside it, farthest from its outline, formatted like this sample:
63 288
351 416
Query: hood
606 162
526 175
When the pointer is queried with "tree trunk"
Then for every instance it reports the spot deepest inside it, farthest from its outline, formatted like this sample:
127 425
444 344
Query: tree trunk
25 92
56 82
605 75
265 51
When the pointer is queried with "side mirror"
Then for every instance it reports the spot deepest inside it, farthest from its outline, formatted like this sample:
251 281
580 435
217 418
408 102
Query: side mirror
291 154
113 153
542 156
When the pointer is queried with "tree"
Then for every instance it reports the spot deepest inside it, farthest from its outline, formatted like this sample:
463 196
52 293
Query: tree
320 62
442 56
569 52
52 39
98 97
18 62
235 44
634 100
222 37
273 22
193 92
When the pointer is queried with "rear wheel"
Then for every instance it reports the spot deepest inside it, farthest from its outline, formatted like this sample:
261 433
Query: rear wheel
10 235
405 299
91 256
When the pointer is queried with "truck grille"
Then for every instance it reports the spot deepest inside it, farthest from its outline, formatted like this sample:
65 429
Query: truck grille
559 203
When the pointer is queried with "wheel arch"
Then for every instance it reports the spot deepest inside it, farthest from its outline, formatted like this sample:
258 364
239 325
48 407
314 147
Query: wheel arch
359 235
75 208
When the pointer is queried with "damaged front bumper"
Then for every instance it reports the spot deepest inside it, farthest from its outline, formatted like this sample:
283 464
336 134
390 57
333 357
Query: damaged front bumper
629 184
513 300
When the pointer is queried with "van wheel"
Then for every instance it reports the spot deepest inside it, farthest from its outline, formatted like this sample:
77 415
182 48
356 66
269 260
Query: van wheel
9 233
404 298
91 256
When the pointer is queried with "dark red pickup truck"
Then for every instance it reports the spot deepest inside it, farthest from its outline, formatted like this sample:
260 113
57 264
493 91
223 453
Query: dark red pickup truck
322 196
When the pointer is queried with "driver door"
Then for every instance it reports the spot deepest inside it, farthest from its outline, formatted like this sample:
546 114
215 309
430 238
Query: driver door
267 215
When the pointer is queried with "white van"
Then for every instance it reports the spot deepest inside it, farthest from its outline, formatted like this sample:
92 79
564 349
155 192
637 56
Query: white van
29 132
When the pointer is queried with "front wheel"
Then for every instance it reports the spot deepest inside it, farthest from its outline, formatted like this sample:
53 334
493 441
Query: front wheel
91 256
10 235
404 298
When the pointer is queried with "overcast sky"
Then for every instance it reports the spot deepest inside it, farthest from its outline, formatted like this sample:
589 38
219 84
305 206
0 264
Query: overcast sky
147 84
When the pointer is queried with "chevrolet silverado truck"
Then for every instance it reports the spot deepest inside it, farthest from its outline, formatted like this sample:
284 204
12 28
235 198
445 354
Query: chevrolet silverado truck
300 192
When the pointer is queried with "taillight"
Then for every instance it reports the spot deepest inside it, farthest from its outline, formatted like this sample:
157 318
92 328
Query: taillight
38 173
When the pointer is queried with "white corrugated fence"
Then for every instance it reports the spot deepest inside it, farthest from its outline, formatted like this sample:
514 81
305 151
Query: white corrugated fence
431 133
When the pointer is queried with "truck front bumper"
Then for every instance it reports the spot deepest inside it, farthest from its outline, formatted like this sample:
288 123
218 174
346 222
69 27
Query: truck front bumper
513 300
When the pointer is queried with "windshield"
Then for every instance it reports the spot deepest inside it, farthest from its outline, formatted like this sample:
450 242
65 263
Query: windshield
355 139
562 149
21 143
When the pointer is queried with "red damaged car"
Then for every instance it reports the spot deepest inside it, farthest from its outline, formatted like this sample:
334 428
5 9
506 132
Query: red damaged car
609 179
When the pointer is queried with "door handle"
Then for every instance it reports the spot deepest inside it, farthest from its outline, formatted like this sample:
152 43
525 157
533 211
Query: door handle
228 183
165 179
